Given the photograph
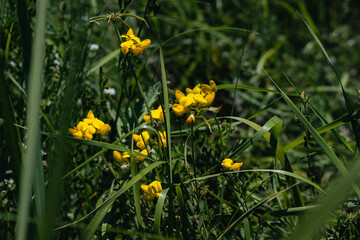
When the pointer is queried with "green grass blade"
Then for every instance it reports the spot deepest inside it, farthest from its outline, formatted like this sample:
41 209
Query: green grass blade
136 187
168 135
117 194
32 159
103 61
159 211
184 218
336 161
246 87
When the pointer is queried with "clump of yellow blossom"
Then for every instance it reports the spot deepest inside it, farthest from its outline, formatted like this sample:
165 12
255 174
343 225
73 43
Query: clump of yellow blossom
151 191
156 114
201 96
125 156
90 126
229 164
133 43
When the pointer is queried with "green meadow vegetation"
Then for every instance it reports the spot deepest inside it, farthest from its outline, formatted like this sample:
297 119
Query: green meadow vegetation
156 119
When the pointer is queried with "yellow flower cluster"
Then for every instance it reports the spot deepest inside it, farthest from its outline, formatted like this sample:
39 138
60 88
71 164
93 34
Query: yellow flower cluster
151 191
90 126
156 114
133 43
141 141
200 97
229 164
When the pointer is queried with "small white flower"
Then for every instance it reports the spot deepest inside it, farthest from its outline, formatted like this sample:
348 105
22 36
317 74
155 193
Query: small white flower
110 91
57 62
94 47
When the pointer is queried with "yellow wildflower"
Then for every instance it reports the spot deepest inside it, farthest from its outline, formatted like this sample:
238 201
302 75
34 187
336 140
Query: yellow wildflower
142 140
201 96
89 126
151 191
163 140
229 164
141 158
156 114
121 157
191 119
133 43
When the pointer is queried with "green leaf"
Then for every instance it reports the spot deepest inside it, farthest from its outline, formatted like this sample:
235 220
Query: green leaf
159 210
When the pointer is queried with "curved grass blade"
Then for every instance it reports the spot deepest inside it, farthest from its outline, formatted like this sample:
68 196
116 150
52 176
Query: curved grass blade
117 194
290 174
336 161
159 210
274 121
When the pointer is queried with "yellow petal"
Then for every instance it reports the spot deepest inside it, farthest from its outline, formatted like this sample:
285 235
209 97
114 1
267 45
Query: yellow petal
191 119
90 115
145 188
188 90
125 155
197 89
88 136
148 197
210 98
144 44
117 156
236 166
227 162
147 118
97 123
155 186
199 99
136 137
91 130
179 95
72 130
178 109
82 126
104 129
213 86
140 145
78 134
130 32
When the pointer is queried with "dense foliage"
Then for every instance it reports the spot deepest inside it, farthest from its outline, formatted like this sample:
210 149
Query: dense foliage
179 119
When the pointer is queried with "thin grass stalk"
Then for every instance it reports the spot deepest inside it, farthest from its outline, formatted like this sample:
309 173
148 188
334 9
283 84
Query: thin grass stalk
33 155
168 140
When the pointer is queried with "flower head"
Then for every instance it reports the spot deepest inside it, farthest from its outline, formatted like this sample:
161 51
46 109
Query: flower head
151 191
229 164
201 96
89 126
157 114
133 43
